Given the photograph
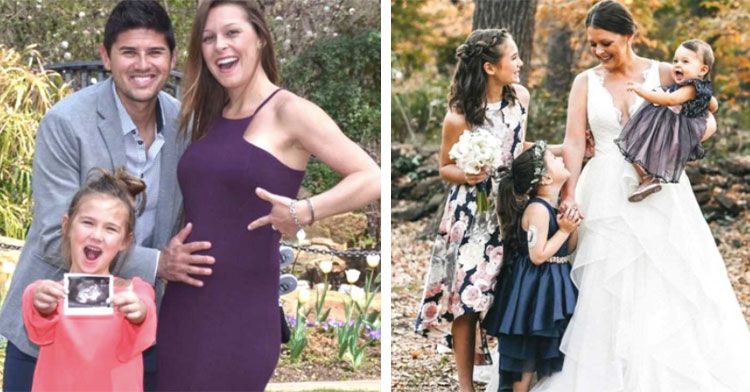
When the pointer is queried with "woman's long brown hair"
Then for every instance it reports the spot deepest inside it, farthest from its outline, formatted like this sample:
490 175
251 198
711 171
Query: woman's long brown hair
468 91
203 98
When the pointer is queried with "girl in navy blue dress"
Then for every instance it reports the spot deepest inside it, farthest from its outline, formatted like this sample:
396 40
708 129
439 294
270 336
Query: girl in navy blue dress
667 130
535 297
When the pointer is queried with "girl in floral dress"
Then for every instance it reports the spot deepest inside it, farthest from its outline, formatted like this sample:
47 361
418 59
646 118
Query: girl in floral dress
468 251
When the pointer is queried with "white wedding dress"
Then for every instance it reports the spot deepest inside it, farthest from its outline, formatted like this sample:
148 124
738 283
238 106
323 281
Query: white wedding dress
656 311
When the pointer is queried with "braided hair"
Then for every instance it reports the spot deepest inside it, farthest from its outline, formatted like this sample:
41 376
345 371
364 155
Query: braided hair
517 185
468 92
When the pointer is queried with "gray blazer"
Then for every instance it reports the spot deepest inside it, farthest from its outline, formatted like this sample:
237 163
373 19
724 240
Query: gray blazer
79 133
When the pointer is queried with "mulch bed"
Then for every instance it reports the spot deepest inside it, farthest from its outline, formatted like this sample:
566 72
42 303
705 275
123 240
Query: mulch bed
415 364
319 362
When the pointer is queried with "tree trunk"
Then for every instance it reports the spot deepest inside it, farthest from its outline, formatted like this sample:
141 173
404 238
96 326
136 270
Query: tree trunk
517 16
559 62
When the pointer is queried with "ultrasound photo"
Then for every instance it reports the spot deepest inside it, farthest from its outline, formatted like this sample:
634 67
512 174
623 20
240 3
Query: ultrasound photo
88 294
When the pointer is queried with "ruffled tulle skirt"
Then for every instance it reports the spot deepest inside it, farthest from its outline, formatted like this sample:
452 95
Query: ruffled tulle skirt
655 311
534 304
662 141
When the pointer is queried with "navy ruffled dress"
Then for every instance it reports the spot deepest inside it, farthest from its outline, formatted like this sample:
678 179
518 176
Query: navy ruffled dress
662 139
533 306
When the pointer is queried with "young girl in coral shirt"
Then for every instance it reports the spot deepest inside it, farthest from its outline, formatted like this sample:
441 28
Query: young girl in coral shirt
96 352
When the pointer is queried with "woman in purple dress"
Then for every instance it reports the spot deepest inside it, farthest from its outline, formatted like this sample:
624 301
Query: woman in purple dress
251 142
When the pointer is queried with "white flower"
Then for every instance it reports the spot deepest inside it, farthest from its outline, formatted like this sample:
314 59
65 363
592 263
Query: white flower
67 56
470 254
81 14
303 296
8 267
348 356
358 295
327 9
373 260
93 81
64 44
326 266
352 276
279 18
396 75
475 150
351 11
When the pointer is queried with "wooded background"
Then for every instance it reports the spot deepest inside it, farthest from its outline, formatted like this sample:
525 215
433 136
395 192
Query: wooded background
552 43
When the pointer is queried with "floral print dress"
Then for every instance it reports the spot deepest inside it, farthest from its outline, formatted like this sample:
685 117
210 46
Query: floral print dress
468 251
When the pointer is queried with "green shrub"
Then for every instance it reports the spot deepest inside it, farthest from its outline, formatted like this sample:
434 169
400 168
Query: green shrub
26 92
342 76
319 177
418 113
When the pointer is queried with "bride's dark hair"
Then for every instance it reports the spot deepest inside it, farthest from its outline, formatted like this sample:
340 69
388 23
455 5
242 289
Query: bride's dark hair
612 16
469 86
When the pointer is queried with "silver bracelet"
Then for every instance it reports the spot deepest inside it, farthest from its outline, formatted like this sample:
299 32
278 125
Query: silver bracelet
301 232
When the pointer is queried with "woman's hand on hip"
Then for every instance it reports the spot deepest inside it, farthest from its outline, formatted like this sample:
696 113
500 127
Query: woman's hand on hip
280 217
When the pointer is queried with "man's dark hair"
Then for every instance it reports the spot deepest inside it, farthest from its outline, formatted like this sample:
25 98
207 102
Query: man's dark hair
138 14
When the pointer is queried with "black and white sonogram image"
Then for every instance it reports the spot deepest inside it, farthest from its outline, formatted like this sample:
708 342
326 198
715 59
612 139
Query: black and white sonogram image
88 294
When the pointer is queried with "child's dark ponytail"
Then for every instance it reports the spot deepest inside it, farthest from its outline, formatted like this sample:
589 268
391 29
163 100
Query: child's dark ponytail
516 186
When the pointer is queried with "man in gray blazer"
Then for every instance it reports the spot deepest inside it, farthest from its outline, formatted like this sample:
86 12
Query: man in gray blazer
123 121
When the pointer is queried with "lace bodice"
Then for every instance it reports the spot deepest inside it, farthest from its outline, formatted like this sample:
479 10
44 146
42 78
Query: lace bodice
604 117
507 123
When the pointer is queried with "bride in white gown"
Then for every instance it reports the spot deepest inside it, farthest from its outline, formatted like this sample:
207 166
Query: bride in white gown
656 311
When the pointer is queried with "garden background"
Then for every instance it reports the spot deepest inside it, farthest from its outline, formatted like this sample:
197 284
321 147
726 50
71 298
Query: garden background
328 52
551 38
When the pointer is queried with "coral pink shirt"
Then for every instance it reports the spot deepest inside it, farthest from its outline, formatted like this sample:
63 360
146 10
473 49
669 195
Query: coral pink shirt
90 352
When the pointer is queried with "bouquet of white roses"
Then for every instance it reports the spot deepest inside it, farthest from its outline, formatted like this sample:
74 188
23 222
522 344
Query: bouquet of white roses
476 150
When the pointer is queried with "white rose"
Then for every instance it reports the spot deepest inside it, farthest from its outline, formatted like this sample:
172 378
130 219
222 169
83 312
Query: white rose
470 254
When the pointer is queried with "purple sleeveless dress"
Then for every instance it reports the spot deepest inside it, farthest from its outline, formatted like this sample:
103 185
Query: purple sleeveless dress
226 335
